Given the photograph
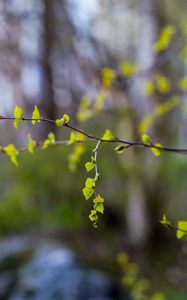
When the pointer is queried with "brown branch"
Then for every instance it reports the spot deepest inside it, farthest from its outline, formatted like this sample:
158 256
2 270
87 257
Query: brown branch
127 143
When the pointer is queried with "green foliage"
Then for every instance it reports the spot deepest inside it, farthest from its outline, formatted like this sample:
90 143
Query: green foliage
146 140
108 76
31 144
165 221
90 164
12 152
18 115
36 115
49 141
108 135
84 112
128 69
64 120
159 111
88 190
98 204
139 287
120 149
181 229
164 39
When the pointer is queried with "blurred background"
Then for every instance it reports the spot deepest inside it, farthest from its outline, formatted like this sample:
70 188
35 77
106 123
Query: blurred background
120 65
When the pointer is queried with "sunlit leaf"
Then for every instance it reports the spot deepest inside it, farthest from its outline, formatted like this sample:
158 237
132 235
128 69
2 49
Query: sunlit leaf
12 152
49 141
36 115
182 229
108 135
18 114
31 144
64 120
120 149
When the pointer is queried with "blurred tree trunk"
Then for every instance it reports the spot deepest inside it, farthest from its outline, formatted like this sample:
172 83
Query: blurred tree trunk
48 102
139 219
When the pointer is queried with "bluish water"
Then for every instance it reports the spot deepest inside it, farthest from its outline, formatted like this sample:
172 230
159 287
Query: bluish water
51 273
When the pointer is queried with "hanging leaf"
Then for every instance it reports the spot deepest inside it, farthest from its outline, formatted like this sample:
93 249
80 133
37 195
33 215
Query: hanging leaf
49 141
31 144
12 152
182 229
120 149
90 164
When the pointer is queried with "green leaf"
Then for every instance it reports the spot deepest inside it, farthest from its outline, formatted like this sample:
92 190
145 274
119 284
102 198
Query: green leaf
64 120
31 144
156 151
98 199
182 229
165 221
49 141
108 135
99 207
87 192
18 114
12 152
146 139
90 164
120 149
90 182
72 139
93 215
35 115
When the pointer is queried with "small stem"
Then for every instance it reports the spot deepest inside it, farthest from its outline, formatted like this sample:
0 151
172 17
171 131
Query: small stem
95 157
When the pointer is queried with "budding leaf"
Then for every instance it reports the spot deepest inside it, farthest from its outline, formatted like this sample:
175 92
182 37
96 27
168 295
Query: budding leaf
156 151
165 221
64 120
12 152
120 149
49 141
108 135
90 164
93 215
182 229
18 114
31 144
146 139
98 204
35 115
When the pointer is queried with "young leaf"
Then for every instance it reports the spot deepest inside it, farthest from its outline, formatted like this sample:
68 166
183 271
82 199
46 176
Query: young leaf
64 120
165 221
99 207
18 114
49 141
146 139
31 144
156 151
35 115
90 182
93 215
120 149
182 229
90 164
108 135
87 192
98 204
72 138
12 152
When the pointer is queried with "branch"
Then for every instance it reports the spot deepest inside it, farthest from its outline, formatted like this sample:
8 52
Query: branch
128 144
